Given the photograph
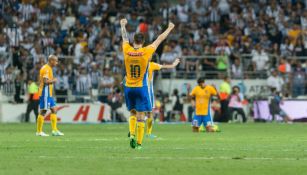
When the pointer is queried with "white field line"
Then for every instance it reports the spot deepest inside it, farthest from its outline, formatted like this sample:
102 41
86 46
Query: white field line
159 148
180 158
221 158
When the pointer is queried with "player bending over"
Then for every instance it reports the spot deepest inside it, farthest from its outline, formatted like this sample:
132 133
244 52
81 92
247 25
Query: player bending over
136 59
155 67
46 100
201 96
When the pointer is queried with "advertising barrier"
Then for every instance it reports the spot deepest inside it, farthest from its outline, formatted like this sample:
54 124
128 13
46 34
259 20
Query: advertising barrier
67 113
296 109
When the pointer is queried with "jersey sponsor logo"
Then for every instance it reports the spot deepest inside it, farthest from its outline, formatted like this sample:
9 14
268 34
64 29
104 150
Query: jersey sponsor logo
135 54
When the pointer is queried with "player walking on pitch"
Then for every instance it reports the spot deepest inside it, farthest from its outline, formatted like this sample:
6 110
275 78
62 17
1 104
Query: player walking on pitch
46 100
137 95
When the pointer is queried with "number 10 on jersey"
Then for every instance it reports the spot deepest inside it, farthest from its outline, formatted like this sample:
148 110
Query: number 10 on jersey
135 71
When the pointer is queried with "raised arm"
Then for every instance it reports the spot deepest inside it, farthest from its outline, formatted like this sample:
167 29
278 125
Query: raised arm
170 66
123 23
163 36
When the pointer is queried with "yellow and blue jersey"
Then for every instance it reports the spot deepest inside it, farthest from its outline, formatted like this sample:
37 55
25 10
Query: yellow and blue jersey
136 65
202 99
137 92
152 67
45 90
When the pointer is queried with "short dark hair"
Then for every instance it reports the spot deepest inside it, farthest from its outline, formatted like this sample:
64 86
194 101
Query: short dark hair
139 38
200 81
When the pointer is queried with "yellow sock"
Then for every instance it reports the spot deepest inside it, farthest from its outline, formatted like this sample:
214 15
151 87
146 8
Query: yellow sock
149 126
53 120
140 130
39 123
132 123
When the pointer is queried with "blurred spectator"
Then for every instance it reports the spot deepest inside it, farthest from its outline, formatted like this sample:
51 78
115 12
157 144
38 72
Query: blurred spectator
284 66
8 81
19 83
106 85
275 81
237 69
61 86
95 75
182 10
169 55
3 65
260 60
298 80
222 63
191 64
83 84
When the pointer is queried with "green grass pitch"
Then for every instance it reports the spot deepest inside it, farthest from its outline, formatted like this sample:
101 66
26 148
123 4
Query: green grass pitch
278 149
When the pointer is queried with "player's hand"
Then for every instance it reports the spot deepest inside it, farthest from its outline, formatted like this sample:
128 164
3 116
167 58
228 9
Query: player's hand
176 62
171 25
123 22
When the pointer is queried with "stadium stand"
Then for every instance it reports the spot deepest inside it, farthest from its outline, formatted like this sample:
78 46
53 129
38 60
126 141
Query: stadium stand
244 39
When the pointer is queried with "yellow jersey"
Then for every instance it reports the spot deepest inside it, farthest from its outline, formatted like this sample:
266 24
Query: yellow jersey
153 67
202 98
136 64
45 89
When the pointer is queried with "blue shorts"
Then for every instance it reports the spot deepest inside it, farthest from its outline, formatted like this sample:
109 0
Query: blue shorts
138 98
46 103
199 119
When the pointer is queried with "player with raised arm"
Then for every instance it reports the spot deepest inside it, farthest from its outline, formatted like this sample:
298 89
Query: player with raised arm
46 100
155 67
136 59
201 96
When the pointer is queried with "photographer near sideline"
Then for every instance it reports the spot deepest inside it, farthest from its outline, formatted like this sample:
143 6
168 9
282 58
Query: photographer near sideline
115 100
235 103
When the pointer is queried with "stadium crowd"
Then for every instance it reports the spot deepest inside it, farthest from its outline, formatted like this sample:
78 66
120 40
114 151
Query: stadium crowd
85 35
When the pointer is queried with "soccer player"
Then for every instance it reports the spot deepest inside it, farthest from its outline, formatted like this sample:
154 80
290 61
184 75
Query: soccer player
155 67
136 59
46 100
202 95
